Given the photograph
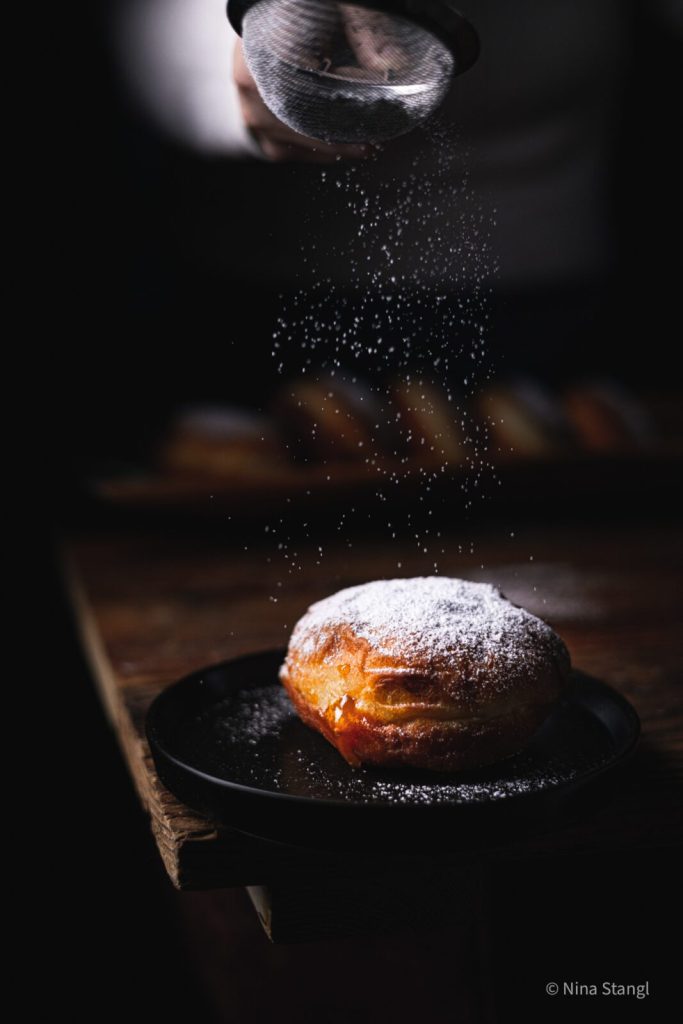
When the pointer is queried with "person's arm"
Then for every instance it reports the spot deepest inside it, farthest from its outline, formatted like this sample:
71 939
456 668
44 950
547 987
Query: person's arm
177 56
183 62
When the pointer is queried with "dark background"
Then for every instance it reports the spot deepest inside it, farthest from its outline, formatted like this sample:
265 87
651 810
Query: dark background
148 310
136 325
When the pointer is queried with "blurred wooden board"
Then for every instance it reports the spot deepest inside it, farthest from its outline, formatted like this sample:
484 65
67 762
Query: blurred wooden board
570 478
153 606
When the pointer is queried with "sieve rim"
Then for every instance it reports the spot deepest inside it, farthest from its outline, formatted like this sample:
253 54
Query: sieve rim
391 88
439 17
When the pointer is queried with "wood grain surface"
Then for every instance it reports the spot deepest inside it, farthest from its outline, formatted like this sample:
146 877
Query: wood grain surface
154 606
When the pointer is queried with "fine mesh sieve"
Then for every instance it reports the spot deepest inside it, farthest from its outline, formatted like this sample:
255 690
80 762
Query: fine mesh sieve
356 72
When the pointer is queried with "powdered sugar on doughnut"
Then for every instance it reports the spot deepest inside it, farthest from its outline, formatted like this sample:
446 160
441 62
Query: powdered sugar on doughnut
454 626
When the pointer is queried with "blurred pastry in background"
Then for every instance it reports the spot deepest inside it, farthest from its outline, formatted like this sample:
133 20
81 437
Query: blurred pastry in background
524 419
222 441
429 425
608 418
333 418
547 409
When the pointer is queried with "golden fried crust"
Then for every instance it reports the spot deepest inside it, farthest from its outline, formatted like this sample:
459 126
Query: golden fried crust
447 700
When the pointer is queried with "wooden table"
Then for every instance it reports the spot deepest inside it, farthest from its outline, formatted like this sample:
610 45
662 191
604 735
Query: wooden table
154 606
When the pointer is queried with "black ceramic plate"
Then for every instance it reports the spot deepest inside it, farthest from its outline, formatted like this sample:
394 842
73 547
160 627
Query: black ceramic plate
227 742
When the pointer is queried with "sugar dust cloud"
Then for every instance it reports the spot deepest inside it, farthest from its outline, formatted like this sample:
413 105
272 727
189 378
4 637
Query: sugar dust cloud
379 366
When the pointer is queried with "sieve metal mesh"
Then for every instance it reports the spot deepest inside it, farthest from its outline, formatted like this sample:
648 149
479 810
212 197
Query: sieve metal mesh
342 72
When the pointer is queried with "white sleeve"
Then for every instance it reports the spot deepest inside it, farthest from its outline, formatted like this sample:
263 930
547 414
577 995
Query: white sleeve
176 57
